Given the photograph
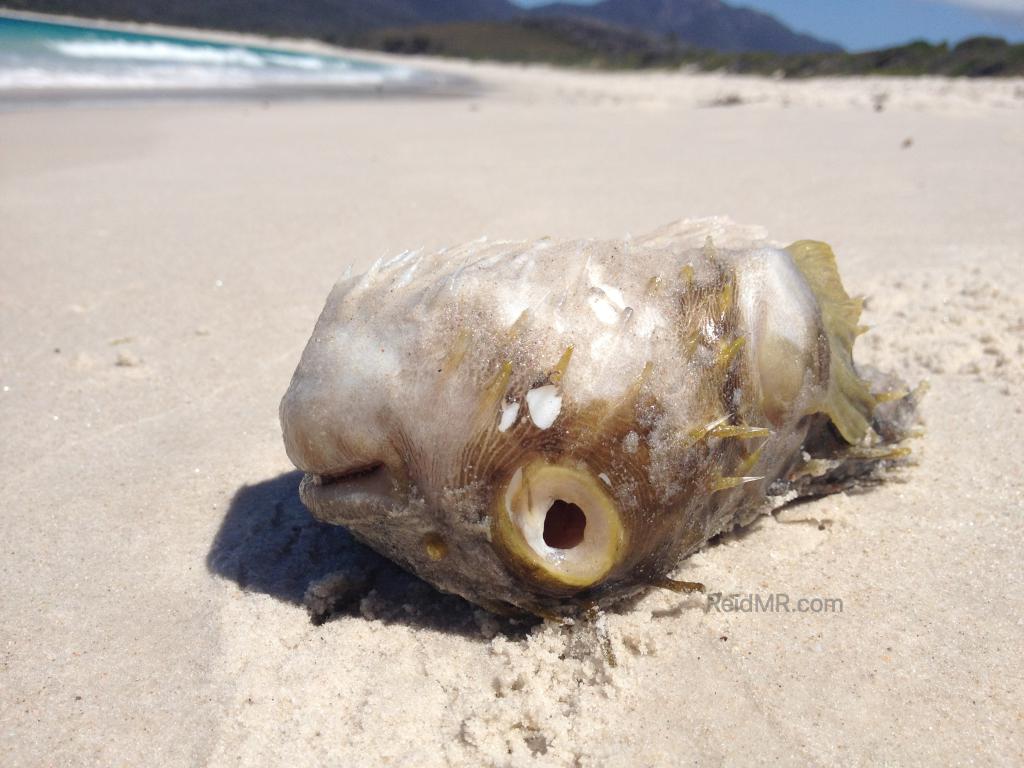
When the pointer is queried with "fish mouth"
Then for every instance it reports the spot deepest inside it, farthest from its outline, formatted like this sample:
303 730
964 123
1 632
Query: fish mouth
344 496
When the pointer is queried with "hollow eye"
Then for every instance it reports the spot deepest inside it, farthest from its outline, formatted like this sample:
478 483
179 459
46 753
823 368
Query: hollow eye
558 527
564 525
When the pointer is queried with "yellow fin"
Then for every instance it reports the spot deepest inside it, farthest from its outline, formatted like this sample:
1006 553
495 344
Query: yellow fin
682 587
517 327
563 365
725 483
849 403
742 431
687 274
727 352
881 453
699 433
458 351
750 462
495 389
890 396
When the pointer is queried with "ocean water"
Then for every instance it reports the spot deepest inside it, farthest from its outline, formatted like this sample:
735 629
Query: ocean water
48 56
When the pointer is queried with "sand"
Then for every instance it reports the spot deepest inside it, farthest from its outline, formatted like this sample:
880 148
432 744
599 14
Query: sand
161 268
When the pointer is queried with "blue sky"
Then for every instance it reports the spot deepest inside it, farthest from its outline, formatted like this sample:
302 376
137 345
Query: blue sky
863 24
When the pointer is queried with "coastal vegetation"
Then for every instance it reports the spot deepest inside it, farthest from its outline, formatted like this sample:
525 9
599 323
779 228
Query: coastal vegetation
579 43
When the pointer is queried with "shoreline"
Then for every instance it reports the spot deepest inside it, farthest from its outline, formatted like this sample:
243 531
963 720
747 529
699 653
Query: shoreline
426 82
297 44
18 99
464 78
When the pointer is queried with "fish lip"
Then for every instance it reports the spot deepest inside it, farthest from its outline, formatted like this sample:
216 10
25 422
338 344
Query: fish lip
334 477
337 496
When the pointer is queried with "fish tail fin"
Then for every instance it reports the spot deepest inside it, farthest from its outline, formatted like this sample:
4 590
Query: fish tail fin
849 403
873 413
830 464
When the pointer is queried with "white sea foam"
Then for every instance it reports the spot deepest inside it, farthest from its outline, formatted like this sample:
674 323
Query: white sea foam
186 68
302 62
185 78
156 51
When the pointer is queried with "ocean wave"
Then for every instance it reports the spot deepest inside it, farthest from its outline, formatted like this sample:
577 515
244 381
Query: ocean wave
186 78
156 51
307 63
38 55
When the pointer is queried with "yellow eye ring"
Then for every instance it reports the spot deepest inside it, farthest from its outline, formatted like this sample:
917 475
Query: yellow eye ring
558 526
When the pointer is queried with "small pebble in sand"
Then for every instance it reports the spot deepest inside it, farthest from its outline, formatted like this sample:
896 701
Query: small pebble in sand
726 100
127 360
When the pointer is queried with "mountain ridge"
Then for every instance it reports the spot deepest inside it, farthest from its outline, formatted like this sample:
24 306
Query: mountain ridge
708 24
321 19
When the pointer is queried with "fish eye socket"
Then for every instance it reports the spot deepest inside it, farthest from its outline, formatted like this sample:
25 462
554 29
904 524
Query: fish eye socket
558 527
564 525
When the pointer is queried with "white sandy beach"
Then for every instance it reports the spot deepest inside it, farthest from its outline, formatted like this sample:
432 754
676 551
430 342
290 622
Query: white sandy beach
161 267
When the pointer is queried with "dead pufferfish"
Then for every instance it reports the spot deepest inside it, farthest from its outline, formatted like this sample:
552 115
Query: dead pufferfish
550 426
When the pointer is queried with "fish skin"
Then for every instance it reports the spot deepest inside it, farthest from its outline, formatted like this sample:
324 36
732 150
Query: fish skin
674 385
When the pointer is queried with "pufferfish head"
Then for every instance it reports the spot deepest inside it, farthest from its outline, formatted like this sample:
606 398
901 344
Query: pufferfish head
542 426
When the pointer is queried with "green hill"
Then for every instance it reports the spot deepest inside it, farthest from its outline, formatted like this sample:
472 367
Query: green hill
586 43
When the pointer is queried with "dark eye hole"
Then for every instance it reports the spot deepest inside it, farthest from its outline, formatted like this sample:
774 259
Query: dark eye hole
564 525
